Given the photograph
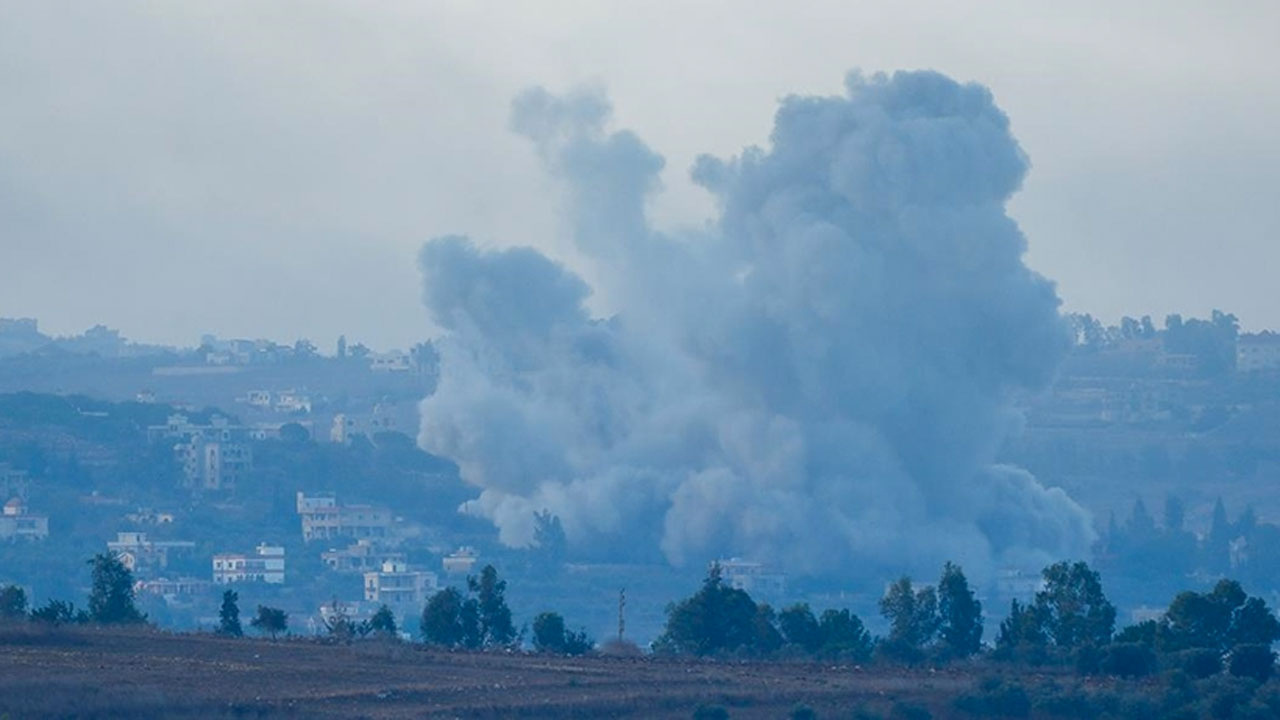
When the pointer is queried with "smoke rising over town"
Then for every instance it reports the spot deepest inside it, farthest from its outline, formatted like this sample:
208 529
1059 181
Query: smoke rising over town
822 376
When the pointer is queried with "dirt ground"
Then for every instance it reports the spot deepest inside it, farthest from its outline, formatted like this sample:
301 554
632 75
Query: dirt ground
86 672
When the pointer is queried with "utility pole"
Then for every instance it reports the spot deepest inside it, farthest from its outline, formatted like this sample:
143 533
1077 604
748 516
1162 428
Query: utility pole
622 619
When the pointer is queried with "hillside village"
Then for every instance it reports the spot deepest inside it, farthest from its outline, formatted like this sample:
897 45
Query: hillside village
294 476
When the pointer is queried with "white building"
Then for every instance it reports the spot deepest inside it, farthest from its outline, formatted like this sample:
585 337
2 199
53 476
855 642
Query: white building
18 524
216 456
293 401
397 585
143 555
13 483
753 577
324 519
361 556
265 565
1258 351
461 561
393 361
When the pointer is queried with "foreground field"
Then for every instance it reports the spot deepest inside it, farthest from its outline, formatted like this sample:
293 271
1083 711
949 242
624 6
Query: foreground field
80 672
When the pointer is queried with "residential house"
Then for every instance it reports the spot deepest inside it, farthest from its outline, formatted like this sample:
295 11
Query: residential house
265 565
323 518
396 584
16 523
363 555
144 556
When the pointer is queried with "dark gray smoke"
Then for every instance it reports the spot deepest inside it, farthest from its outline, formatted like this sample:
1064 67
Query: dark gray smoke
820 379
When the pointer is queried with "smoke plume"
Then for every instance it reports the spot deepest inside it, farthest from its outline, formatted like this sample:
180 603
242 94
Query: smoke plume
821 378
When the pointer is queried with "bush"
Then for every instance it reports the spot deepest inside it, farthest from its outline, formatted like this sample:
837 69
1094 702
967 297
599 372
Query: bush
1127 660
1200 663
995 698
1253 661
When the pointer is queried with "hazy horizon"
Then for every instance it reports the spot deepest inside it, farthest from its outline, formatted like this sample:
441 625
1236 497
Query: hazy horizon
271 170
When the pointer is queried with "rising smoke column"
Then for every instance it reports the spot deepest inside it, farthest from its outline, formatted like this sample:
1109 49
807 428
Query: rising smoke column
822 378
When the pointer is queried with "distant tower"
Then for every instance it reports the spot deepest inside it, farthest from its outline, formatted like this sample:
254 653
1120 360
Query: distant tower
342 346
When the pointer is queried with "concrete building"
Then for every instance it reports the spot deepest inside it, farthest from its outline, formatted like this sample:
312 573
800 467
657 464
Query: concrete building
216 456
168 589
292 401
361 556
16 523
460 561
396 584
13 482
753 577
324 519
265 565
394 361
1257 352
144 556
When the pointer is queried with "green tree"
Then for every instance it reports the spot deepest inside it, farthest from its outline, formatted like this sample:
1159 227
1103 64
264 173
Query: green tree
1022 635
716 619
13 602
1219 619
548 632
913 619
59 612
272 621
111 597
229 615
800 628
1073 608
1253 661
844 635
383 622
550 635
960 614
1253 623
496 627
450 620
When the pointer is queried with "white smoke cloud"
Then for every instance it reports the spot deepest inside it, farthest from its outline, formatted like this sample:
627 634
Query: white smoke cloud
821 378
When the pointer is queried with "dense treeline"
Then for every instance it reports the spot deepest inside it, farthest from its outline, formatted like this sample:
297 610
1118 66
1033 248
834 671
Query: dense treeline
1068 623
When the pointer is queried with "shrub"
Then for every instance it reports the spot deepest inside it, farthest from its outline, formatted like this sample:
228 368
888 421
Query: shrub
1253 661
995 698
1200 663
1127 660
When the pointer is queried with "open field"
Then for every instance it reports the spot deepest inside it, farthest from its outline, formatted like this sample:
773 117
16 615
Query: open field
98 673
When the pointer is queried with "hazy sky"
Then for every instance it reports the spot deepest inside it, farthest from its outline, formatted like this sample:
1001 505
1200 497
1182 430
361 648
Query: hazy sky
271 168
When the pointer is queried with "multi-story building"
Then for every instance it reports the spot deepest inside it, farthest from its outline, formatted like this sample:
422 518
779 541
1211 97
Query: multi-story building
1258 351
18 524
324 519
13 482
216 456
361 556
397 585
753 577
143 555
265 565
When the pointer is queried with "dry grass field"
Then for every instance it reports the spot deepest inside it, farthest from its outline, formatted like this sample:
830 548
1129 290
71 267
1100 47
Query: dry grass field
104 673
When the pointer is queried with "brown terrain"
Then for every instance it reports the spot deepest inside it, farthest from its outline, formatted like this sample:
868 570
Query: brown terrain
98 673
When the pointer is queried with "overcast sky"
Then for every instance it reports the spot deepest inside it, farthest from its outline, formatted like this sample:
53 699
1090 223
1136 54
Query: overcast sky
269 169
